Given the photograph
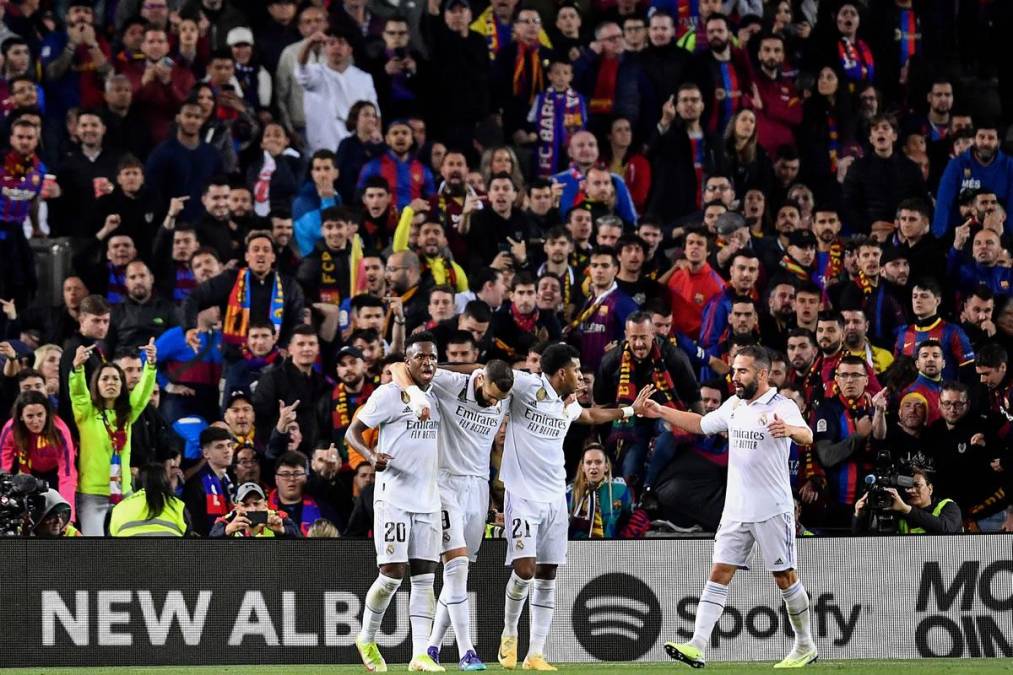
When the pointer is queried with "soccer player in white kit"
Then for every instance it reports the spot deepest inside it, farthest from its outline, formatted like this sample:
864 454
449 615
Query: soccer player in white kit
406 505
759 508
472 408
535 515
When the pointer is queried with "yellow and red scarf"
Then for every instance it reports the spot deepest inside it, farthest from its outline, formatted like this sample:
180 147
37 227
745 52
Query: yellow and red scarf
237 313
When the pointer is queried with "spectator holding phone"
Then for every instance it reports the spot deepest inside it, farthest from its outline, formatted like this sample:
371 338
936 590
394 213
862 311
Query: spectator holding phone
252 518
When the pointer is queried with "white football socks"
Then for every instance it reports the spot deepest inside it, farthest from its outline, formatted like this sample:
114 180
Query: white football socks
421 607
377 600
543 606
516 595
796 599
708 611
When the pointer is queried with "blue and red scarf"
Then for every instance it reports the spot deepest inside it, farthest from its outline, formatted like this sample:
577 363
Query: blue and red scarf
558 115
310 510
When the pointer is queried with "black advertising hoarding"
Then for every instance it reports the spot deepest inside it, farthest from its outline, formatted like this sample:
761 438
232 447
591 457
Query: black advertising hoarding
159 602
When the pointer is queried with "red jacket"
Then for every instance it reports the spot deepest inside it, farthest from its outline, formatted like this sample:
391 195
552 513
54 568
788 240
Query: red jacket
690 292
157 102
781 113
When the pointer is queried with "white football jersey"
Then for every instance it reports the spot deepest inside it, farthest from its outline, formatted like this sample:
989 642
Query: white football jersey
759 486
468 430
409 481
533 461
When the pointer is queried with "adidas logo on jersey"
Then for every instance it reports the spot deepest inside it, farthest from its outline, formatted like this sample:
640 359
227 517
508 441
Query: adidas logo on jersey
778 562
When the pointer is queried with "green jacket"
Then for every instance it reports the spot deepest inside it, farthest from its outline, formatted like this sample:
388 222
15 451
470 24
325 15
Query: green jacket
130 518
96 449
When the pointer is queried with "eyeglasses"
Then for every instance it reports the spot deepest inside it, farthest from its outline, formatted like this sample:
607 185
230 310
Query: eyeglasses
290 475
246 462
952 404
851 376
530 22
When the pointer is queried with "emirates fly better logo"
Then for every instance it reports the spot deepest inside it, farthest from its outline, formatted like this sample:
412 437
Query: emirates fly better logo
616 617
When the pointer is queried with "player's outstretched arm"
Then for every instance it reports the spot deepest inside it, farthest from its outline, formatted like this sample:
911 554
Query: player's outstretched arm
416 398
688 421
603 415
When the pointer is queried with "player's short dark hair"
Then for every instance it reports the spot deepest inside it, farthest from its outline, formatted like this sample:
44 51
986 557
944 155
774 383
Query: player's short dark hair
802 332
556 357
759 354
220 180
605 250
212 435
339 214
376 182
367 335
524 278
485 275
263 323
419 338
631 240
558 232
990 355
365 300
808 287
253 235
915 204
831 315
957 386
26 373
501 374
303 329
325 154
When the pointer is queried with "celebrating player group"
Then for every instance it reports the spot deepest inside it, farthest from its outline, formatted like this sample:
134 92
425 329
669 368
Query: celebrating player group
436 431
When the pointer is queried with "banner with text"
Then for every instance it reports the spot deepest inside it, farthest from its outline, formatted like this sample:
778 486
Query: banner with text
159 602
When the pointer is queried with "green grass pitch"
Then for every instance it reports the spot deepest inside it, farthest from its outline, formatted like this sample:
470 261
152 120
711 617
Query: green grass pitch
919 667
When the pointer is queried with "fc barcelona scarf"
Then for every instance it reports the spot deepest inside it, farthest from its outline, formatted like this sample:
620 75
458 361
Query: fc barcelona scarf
329 291
623 429
529 78
558 115
117 442
856 61
237 313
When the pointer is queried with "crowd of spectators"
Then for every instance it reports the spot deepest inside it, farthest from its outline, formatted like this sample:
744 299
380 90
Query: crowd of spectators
220 219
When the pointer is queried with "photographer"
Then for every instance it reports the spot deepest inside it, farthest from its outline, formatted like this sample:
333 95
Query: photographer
252 518
52 520
922 513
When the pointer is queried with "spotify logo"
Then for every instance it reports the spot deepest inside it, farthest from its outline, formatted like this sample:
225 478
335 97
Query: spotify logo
616 617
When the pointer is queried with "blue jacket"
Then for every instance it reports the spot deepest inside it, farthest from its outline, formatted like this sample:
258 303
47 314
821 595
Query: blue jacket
965 172
571 179
306 216
970 274
613 499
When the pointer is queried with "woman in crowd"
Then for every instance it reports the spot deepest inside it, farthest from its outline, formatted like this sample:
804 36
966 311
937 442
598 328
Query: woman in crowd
363 145
622 158
827 130
152 511
47 362
599 504
274 177
746 163
104 413
35 440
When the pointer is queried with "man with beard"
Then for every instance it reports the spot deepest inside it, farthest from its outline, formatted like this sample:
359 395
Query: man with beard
800 255
761 425
103 263
558 247
929 361
406 175
142 315
804 357
724 74
779 106
992 368
379 217
438 265
403 274
638 361
876 182
957 351
353 389
856 325
519 324
883 310
829 247
924 253
778 319
972 461
452 201
743 328
23 182
631 280
894 275
771 249
935 126
830 339
324 274
498 235
693 283
743 273
976 316
984 165
217 229
844 427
